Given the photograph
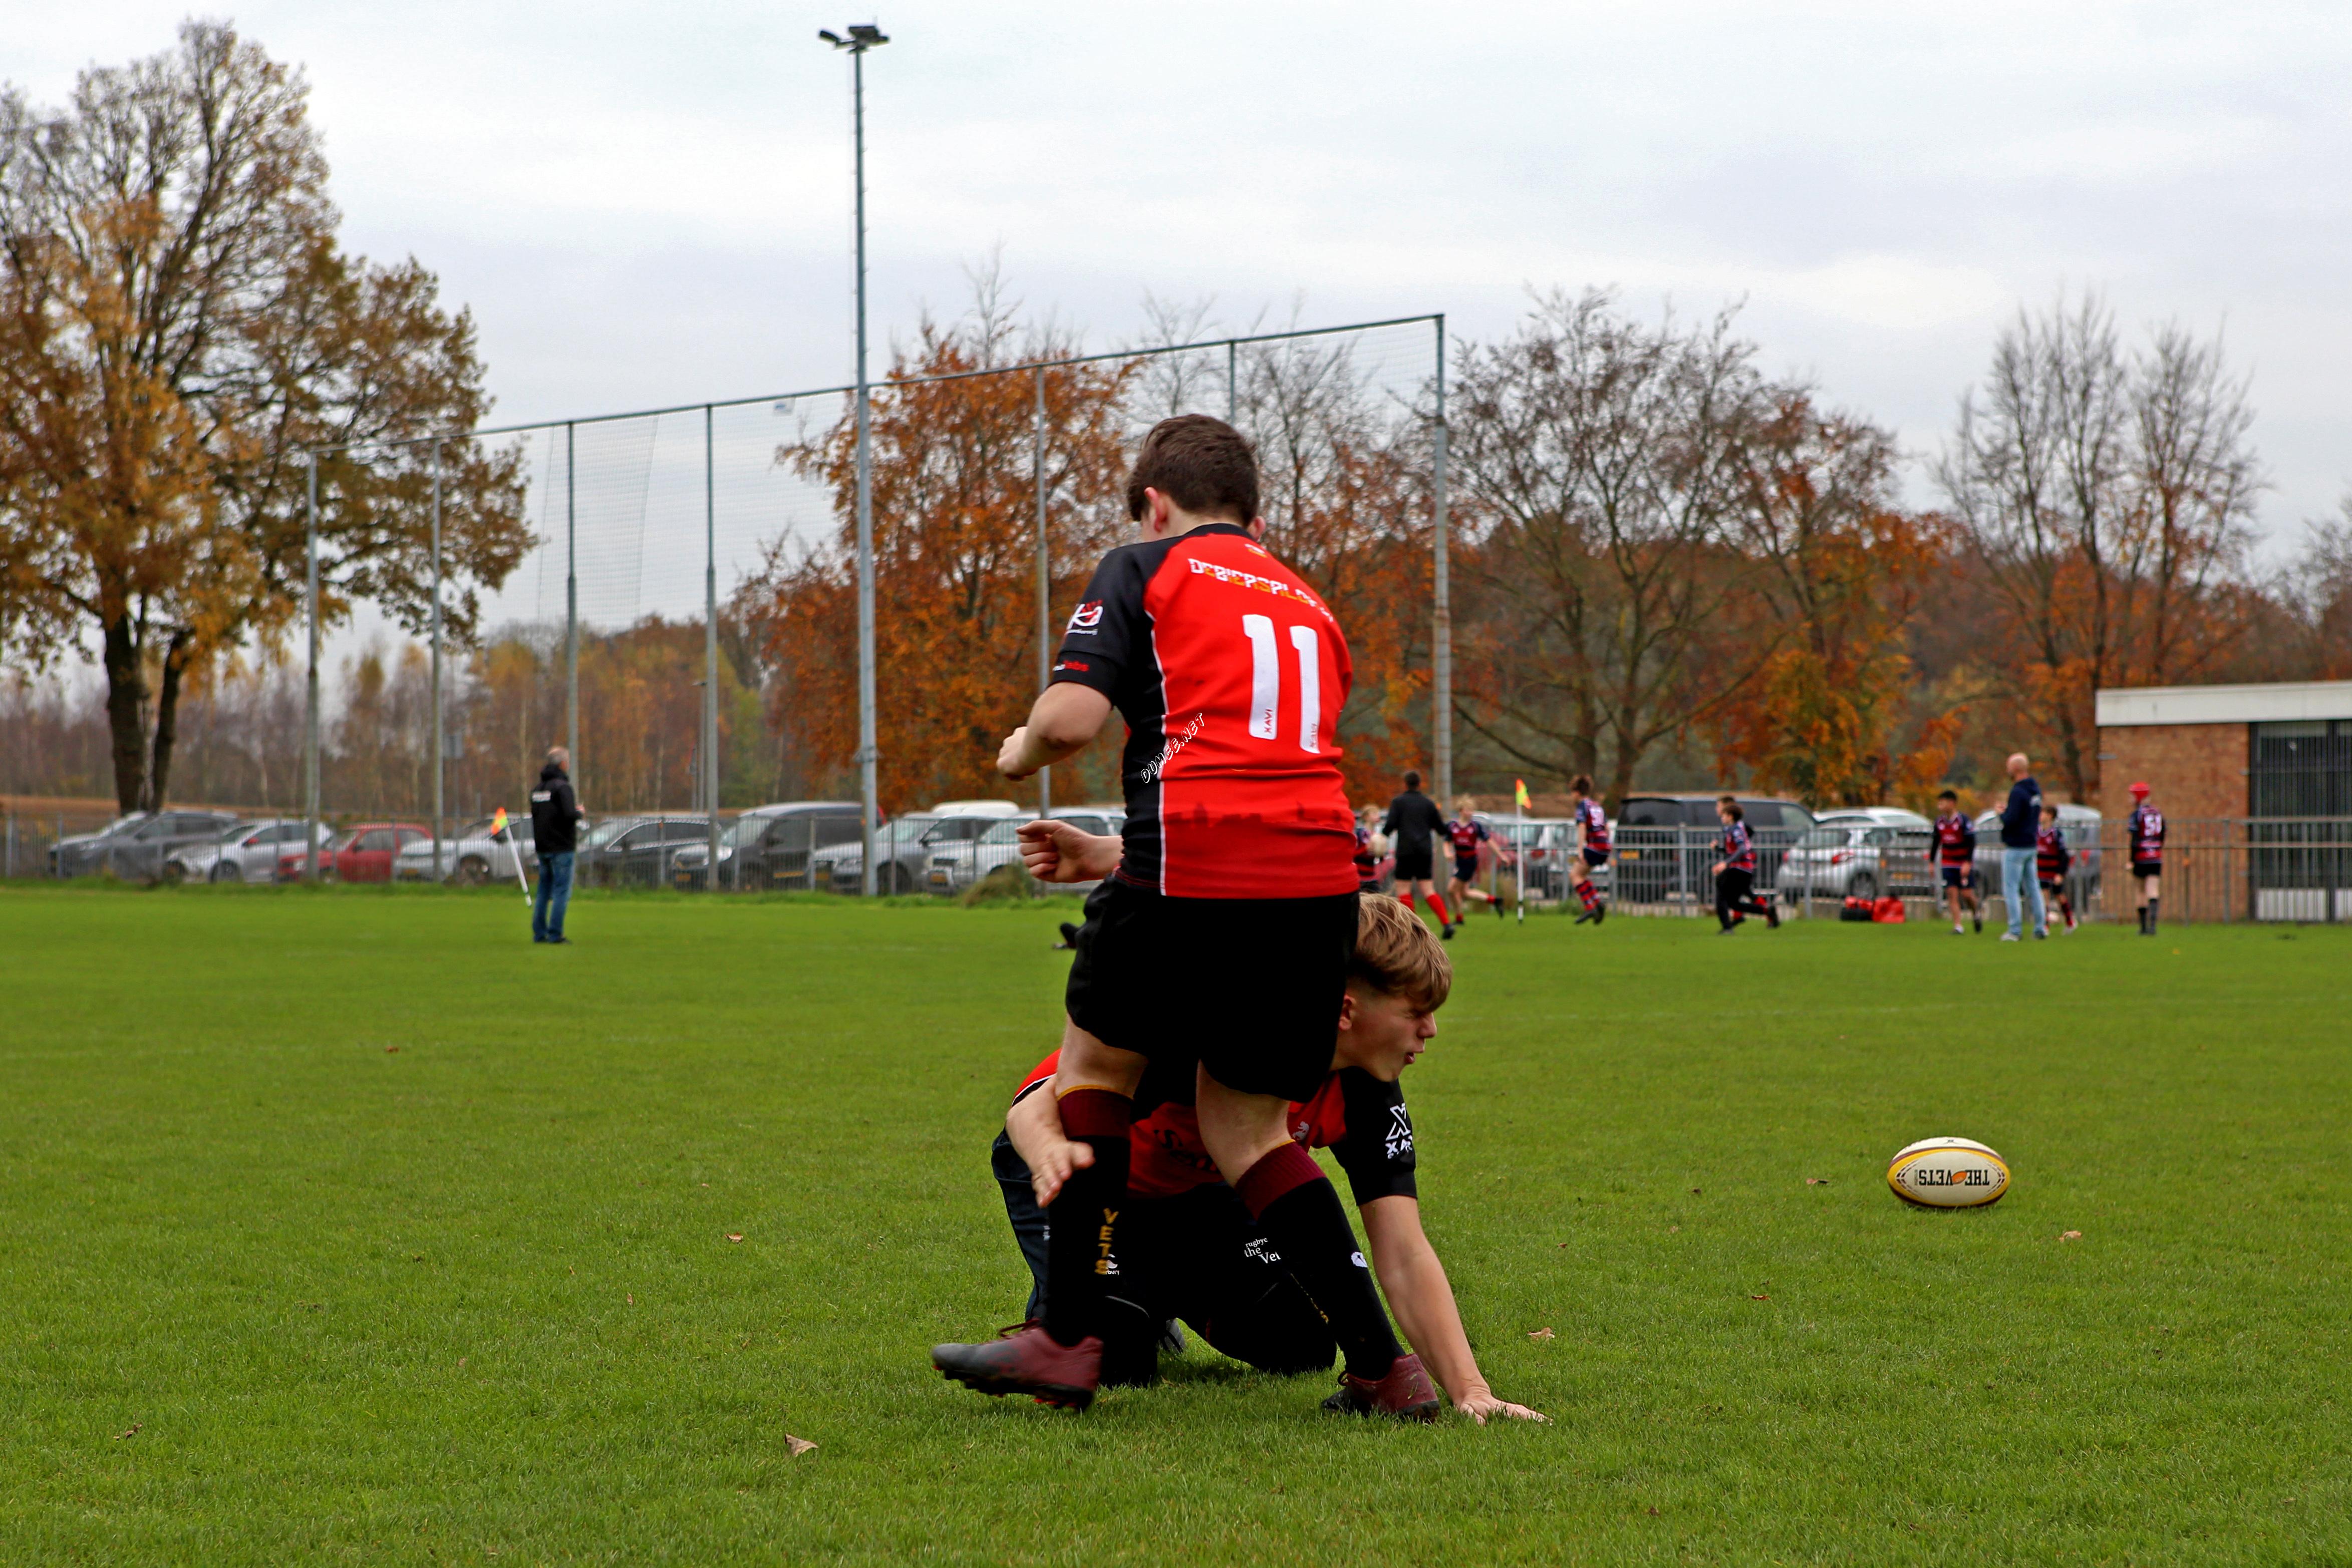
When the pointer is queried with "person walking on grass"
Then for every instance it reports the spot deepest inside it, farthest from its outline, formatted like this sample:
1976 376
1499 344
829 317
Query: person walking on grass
2021 824
1953 851
1412 825
2145 830
2052 858
555 819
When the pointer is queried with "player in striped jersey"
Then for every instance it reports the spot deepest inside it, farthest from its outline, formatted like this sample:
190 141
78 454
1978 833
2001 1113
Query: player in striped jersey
1592 847
2050 859
1734 873
2144 831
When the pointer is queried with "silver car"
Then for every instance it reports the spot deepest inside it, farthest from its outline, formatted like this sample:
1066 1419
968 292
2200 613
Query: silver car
1871 852
967 862
248 852
136 846
470 856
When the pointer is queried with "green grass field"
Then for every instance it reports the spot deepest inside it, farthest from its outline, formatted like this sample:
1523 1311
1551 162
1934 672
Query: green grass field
348 1225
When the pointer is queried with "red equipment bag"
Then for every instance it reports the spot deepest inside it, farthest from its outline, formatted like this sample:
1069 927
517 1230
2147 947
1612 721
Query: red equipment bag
1888 912
1857 909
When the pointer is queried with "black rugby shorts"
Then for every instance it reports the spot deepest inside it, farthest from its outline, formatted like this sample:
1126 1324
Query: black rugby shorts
1413 864
1250 988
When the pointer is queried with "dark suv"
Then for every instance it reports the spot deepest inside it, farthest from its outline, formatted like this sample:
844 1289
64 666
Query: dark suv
769 847
136 847
1664 843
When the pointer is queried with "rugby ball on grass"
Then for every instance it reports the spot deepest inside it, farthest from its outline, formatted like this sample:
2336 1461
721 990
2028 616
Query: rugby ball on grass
1948 1173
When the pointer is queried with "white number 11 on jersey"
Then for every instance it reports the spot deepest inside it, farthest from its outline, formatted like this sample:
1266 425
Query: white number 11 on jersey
1266 680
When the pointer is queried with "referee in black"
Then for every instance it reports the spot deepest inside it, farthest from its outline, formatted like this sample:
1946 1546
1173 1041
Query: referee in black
1412 825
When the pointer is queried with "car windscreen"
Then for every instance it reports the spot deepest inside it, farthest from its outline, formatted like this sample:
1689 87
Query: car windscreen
957 829
743 830
1007 832
239 831
1827 836
604 833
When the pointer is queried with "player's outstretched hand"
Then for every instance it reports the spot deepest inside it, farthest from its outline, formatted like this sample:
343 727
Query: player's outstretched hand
1056 852
1053 1165
1009 758
1478 1406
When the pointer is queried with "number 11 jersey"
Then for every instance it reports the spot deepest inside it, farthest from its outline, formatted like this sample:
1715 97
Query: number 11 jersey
1231 674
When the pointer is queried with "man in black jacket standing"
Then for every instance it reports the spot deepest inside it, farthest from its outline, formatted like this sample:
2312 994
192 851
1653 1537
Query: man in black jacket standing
555 819
2020 819
1412 824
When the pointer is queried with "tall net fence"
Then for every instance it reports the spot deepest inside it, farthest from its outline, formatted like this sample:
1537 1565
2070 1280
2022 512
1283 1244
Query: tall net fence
601 635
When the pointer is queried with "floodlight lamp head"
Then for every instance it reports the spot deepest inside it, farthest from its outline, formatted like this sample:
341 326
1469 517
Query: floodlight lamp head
829 37
866 35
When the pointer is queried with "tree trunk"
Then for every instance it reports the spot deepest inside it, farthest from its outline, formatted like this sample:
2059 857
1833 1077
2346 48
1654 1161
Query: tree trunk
126 698
167 720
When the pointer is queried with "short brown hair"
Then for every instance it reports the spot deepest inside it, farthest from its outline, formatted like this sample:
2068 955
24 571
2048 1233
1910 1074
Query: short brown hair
1202 465
1397 957
1581 784
1739 812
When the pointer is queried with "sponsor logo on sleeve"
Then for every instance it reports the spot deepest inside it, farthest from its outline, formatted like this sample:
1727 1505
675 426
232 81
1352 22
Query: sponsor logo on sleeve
1086 617
1399 1138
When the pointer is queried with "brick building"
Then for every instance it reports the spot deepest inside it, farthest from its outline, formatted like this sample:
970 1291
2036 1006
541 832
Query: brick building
2257 784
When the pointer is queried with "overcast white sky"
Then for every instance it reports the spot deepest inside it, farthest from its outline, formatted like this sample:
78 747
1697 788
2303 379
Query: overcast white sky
646 204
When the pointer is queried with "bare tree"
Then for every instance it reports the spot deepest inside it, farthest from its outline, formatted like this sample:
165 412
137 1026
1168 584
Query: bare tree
1603 465
2108 497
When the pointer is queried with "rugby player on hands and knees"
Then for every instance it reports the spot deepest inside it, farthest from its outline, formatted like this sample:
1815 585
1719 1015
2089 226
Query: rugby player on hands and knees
1225 935
1187 1247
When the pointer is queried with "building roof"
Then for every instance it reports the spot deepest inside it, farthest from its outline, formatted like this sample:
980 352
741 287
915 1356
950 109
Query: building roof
2269 703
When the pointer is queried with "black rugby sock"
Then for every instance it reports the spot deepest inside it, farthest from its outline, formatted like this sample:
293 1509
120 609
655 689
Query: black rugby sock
1303 1218
1084 1216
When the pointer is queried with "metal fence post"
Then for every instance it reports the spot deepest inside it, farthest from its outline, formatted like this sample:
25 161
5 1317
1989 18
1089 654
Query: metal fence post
1045 585
440 745
1441 659
310 711
570 603
709 651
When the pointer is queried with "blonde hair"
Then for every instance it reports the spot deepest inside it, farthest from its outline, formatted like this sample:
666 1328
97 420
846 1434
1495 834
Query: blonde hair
1465 804
1396 955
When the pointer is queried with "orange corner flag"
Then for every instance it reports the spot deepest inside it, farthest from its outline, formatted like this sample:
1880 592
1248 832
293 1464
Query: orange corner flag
1523 792
499 821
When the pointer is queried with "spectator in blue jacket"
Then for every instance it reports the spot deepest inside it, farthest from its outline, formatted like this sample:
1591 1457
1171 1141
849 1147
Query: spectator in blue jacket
2020 819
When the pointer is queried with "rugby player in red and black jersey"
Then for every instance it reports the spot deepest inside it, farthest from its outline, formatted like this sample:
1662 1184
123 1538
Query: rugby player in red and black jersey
1223 936
1466 833
1735 875
1591 848
2144 831
2050 859
1954 850
1189 1250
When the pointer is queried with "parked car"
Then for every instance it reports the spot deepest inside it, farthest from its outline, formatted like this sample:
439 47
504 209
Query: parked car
1873 851
962 864
293 858
2081 826
635 851
136 847
771 846
248 852
366 854
902 846
1663 844
470 856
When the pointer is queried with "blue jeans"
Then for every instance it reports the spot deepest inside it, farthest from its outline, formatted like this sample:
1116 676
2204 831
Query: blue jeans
2018 883
554 892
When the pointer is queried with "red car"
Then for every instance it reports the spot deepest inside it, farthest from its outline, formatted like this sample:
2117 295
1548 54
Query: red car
364 854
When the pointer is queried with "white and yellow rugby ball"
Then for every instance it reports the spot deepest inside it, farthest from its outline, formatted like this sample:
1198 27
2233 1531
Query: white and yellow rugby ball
1948 1173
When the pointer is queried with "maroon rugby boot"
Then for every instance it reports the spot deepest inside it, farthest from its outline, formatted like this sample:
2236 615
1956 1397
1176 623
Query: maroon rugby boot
1405 1393
1025 1359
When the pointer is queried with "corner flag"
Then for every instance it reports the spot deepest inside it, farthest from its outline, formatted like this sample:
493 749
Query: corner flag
499 821
1524 801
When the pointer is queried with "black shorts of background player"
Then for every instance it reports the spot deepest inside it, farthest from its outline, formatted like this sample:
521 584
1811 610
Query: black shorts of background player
1590 851
1952 851
1412 825
1234 893
1188 1248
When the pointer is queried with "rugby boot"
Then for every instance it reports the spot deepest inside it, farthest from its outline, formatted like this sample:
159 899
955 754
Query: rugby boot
1025 1359
1772 914
1405 1393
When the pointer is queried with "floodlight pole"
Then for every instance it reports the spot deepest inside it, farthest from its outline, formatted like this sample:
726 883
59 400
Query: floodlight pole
1441 657
310 704
860 39
440 741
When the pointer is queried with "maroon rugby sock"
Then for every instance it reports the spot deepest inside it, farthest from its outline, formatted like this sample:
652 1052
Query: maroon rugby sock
1084 1214
1288 1194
